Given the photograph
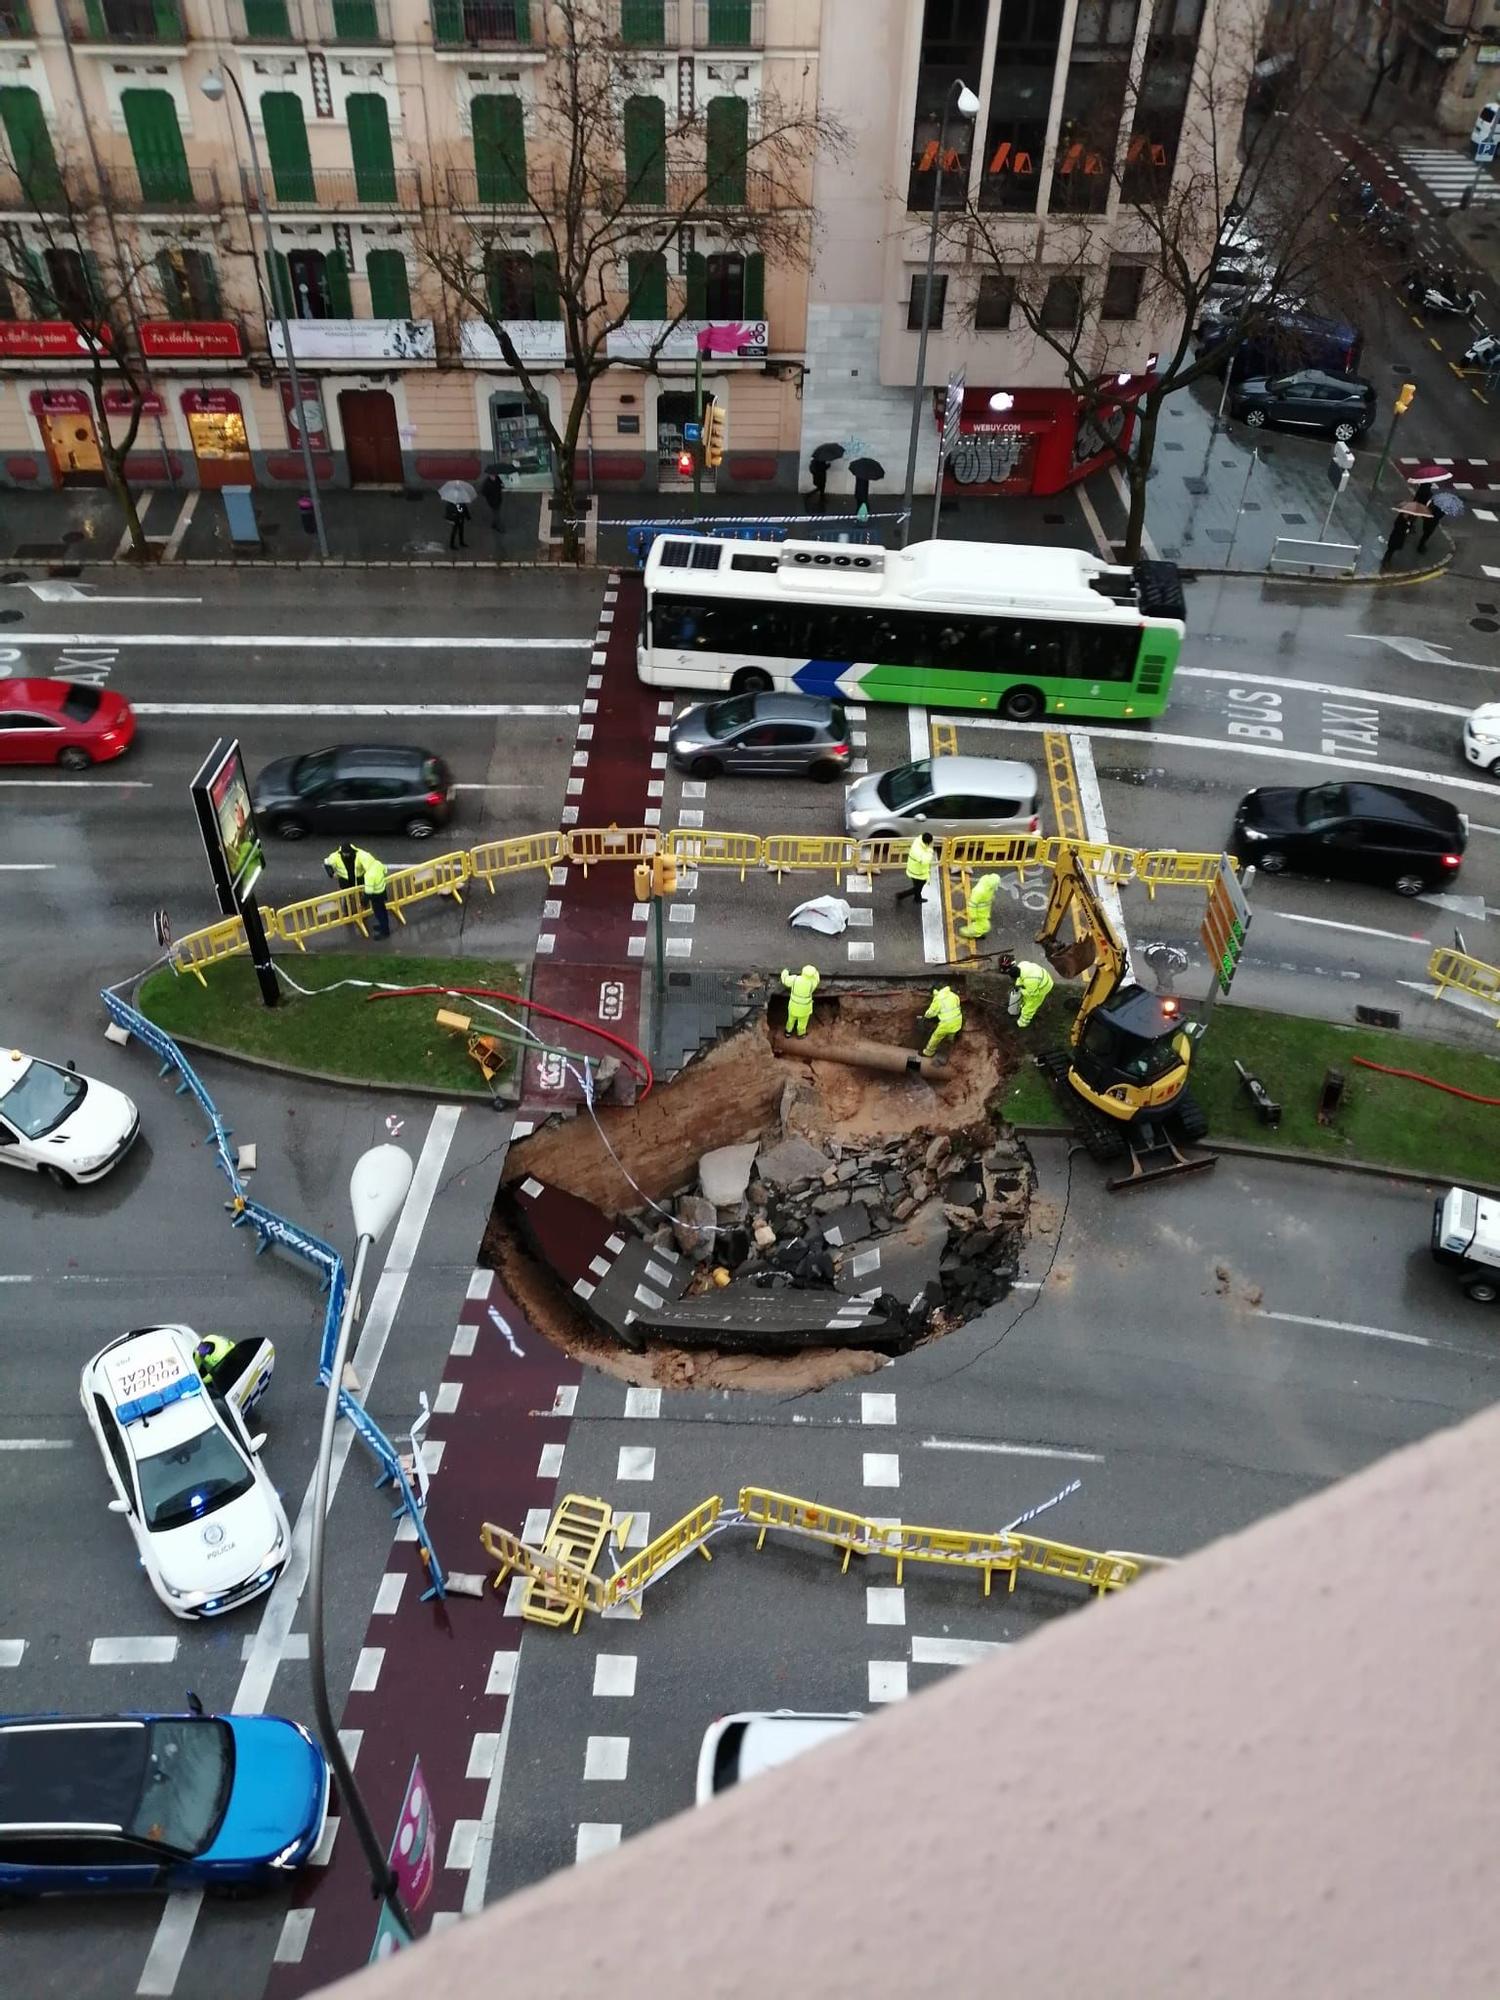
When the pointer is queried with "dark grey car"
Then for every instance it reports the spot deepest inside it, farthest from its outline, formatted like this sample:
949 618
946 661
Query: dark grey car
778 734
1308 400
353 789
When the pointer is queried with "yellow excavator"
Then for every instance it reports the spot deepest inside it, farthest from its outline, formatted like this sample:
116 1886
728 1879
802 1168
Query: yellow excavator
1124 1073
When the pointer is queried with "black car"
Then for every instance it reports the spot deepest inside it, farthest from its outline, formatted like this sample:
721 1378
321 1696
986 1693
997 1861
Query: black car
1407 841
355 788
1310 400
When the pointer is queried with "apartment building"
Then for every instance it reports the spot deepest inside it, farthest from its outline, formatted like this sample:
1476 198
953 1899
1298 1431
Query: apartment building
1440 58
383 128
1080 101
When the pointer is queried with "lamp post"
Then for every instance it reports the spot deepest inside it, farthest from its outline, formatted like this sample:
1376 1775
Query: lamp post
212 87
960 99
377 1188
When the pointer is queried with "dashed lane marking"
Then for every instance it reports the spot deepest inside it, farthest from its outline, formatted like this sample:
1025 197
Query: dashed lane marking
952 1652
999 1450
882 1468
250 642
595 1837
1354 1326
146 1652
885 1604
887 1680
606 1759
614 1675
876 1408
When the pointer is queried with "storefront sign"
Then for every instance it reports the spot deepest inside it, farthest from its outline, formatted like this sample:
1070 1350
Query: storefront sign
535 340
190 339
120 403
210 403
356 340
47 340
732 339
60 402
312 409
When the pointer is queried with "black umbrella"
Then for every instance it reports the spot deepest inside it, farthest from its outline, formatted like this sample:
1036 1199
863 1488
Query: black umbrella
827 454
864 472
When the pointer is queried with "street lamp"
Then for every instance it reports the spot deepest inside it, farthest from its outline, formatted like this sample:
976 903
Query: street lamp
962 101
377 1188
212 87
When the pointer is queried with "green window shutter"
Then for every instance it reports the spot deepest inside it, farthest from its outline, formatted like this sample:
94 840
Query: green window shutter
286 141
173 291
168 21
283 298
499 148
209 304
38 292
370 141
336 281
93 14
646 150
755 285
390 291
544 270
643 23
728 24
156 141
94 282
354 21
266 20
648 284
30 145
728 149
697 286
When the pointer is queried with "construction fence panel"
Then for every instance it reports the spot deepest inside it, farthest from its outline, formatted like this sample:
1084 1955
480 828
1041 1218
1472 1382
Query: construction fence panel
331 911
957 1548
1468 975
807 853
873 857
444 875
764 1509
494 858
211 946
572 1589
690 1533
1101 1573
997 850
1165 868
694 847
588 844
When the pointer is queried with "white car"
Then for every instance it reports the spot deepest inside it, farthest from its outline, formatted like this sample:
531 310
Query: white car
1482 738
55 1122
737 1747
186 1471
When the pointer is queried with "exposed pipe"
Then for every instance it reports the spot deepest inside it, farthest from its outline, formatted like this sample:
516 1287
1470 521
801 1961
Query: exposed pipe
863 1055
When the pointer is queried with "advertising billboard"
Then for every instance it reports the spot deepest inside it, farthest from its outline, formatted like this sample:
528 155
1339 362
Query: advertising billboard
226 820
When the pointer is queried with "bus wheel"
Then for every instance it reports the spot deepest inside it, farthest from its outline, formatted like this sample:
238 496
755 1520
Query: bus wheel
750 680
1022 704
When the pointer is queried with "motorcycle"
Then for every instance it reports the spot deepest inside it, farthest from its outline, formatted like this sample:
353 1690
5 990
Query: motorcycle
1483 352
1440 292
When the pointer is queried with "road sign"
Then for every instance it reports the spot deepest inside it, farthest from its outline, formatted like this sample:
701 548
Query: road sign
1338 477
1225 922
1484 152
692 433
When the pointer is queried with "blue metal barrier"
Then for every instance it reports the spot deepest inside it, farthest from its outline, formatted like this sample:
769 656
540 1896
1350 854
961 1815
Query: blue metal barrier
273 1228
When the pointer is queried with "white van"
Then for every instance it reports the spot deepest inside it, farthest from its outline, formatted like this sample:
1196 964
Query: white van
1485 126
737 1747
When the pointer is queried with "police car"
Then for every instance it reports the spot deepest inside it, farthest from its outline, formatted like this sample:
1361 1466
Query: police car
54 1121
185 1468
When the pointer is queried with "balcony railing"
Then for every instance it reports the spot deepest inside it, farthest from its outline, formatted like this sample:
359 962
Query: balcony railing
125 21
487 24
729 24
684 193
362 23
167 189
15 24
647 24
337 188
470 193
42 195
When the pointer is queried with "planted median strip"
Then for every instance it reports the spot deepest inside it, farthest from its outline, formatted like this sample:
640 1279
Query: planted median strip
1385 1120
337 1033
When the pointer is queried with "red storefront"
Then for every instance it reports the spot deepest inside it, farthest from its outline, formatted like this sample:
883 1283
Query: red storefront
1040 442
65 418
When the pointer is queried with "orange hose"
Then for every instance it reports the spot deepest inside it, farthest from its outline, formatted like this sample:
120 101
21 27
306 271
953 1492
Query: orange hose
1415 1076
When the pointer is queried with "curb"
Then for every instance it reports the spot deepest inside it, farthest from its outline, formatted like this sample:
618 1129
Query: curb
1290 1156
1375 581
442 1096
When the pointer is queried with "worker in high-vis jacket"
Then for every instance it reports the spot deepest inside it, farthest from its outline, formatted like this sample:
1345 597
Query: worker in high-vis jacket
1030 984
981 904
800 986
354 867
945 1005
918 868
211 1352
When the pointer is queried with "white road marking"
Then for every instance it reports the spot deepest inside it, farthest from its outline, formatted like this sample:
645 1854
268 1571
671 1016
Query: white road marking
261 642
366 1676
644 1402
885 1604
887 1680
17 1278
1330 924
1353 1326
636 1461
1426 652
1148 547
12 1652
1013 1450
83 784
1324 688
36 1444
882 1468
1095 525
952 1652
292 1942
875 1408
614 1675
210 708
388 1596
461 1844
549 1465
502 1679
57 592
150 1652
595 1837
174 1933
27 867
1091 805
1476 827
606 1759
484 1748
1488 570
180 526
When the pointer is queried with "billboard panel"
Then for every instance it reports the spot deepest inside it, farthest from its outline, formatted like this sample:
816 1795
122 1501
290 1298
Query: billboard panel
226 820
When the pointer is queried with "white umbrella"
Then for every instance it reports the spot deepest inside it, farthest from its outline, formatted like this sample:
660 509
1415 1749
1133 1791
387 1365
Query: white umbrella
457 491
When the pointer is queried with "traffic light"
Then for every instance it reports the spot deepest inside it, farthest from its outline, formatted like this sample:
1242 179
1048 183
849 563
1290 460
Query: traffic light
1403 400
713 435
685 463
664 875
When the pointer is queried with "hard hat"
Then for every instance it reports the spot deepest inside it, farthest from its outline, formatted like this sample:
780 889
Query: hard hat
809 972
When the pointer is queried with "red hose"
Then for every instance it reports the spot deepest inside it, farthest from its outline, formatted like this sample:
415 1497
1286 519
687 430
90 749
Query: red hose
636 1057
1415 1076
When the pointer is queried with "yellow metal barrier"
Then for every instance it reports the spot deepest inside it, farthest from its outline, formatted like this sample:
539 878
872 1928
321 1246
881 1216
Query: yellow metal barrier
1062 780
692 847
997 850
444 875
857 1535
690 1533
1165 868
567 1586
1468 975
209 947
1102 1573
573 1543
873 857
588 844
793 853
494 858
328 912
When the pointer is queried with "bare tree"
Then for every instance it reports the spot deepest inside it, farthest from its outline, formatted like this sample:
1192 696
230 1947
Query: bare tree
1179 206
1386 48
620 190
77 270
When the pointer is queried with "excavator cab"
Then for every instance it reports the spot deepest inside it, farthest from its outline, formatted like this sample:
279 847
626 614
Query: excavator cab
1133 1055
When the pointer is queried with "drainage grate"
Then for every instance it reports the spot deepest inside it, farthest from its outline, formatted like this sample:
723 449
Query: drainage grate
11 617
1377 1017
1196 485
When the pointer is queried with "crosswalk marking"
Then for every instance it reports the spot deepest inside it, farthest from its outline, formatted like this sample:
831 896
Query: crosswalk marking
1448 176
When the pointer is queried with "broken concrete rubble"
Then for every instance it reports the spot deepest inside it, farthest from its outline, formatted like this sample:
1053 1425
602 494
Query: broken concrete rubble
724 1174
790 1164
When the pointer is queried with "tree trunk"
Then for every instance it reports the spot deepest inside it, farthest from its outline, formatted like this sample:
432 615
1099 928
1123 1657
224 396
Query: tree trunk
565 471
119 486
1138 471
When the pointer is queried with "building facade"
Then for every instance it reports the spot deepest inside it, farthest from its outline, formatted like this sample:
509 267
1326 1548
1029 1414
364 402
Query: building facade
381 127
1441 58
1077 100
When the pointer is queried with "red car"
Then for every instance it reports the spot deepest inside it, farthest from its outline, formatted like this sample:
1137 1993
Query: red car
62 722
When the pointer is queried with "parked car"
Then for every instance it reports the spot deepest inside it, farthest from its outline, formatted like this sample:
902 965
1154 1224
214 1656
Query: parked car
1466 1237
54 1121
104 1803
1308 400
1406 841
355 788
943 795
208 1524
1482 737
63 722
1290 338
737 1747
1485 125
778 734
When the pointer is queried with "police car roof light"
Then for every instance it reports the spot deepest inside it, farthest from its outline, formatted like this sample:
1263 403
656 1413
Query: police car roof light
156 1400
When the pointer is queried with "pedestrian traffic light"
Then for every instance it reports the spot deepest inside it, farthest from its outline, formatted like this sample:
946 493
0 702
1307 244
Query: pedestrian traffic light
713 435
664 875
685 464
643 881
1403 400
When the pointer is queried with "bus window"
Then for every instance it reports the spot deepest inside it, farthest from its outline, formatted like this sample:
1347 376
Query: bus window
1103 653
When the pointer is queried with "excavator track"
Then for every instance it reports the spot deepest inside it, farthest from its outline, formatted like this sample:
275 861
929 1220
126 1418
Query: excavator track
1154 1148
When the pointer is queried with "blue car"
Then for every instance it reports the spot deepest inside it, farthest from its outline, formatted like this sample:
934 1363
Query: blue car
117 1802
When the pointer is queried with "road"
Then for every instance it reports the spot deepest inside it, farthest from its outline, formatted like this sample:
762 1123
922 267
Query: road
1183 1423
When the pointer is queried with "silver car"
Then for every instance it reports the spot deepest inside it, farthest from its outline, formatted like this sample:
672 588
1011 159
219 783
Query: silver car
777 734
943 795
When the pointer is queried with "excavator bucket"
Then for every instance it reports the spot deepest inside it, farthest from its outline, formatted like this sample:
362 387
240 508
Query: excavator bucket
1068 960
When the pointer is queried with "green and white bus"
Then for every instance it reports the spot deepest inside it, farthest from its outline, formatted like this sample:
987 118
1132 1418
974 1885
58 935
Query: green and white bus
1018 631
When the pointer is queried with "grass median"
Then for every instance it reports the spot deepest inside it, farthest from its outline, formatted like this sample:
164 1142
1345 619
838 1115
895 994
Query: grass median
1384 1119
341 1033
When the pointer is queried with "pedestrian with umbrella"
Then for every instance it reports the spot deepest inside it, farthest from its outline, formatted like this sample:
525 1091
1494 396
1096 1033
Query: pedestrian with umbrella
457 496
817 466
864 471
1424 481
1445 507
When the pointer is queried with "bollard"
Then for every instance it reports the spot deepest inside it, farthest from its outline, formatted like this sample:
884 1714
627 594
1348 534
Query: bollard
1330 1095
305 514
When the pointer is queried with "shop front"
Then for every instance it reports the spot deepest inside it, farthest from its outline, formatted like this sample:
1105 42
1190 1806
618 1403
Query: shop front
215 423
512 435
1036 441
69 436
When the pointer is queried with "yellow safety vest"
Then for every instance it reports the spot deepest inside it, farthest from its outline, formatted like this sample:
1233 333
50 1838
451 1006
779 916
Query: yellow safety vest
1035 980
948 1008
800 986
919 859
374 873
984 892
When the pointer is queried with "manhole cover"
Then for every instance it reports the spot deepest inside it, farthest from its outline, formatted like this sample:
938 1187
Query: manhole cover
11 617
1485 624
1378 1017
1252 506
1196 485
1295 520
1219 534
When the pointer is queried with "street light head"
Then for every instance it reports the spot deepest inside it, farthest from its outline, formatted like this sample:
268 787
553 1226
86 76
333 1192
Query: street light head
966 104
377 1188
212 86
